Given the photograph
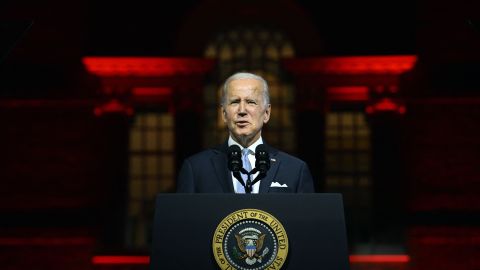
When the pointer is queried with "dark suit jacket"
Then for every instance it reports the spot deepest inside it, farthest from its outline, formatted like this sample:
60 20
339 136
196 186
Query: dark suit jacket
207 172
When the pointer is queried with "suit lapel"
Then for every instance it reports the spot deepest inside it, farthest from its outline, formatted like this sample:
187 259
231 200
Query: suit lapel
274 165
219 163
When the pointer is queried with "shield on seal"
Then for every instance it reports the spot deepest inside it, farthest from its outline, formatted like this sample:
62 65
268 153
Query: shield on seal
250 248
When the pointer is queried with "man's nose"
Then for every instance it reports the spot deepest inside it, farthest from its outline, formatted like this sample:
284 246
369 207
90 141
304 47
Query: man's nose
242 108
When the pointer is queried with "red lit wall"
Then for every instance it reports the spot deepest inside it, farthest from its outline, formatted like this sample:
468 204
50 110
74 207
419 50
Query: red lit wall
53 154
442 154
441 157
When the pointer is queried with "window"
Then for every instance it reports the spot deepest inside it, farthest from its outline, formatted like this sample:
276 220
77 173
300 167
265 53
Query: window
151 171
257 50
348 168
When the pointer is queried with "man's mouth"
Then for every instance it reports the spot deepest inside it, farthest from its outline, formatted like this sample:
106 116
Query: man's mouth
242 123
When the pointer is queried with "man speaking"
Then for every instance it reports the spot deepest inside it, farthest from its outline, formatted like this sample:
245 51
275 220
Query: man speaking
244 163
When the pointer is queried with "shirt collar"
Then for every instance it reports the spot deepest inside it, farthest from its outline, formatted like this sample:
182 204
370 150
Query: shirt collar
252 147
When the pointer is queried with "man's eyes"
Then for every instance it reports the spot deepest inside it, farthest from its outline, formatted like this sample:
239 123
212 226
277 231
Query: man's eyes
253 102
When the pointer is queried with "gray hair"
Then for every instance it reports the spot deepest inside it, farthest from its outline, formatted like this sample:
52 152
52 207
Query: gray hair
245 75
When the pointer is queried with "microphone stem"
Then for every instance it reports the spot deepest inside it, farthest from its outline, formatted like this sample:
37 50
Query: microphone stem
259 177
248 188
239 179
249 185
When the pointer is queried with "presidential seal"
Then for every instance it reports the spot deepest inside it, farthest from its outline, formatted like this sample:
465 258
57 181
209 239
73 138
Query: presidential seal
250 239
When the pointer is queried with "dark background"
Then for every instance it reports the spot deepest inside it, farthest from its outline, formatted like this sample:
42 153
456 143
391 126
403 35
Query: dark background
60 166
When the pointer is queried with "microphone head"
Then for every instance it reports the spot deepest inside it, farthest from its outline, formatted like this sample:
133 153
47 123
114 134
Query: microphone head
234 154
262 158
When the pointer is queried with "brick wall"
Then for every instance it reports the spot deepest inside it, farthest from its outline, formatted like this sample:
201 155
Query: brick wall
52 158
61 173
442 157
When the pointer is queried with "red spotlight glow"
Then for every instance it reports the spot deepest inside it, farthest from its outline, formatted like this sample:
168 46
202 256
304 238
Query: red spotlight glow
113 106
379 258
151 91
145 66
121 259
386 105
394 64
348 93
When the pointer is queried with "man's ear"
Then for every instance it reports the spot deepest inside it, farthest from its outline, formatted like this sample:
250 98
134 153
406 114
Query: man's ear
267 113
224 114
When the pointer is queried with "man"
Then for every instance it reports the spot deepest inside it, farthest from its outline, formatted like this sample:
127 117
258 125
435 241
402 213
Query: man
245 109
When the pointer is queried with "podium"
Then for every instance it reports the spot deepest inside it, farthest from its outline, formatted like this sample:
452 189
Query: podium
249 231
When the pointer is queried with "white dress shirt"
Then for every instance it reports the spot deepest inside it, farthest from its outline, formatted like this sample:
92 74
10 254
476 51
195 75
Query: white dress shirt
251 157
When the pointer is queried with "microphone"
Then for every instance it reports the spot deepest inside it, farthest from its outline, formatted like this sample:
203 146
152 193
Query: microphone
235 163
262 159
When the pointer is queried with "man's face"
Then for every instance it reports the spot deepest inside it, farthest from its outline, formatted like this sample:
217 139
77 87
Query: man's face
245 111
